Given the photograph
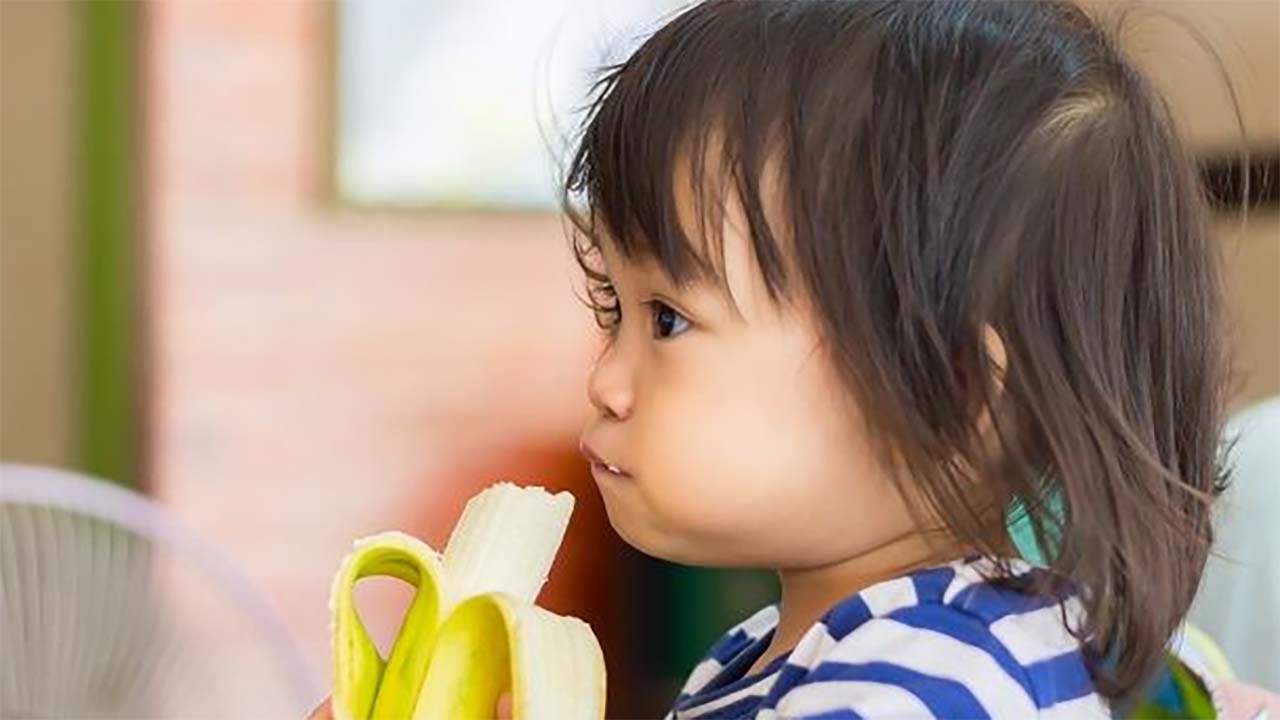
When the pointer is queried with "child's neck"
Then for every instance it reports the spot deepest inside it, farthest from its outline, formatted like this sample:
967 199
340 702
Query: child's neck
807 593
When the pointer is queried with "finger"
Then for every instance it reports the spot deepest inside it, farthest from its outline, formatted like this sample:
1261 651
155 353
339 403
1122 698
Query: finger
323 711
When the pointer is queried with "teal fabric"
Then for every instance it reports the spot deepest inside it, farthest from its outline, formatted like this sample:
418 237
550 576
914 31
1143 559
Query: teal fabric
1022 534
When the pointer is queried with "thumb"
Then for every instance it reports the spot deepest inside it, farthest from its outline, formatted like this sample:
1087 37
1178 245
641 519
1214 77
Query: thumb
323 711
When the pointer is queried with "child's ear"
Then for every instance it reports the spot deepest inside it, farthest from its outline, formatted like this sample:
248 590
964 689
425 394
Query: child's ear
996 354
997 360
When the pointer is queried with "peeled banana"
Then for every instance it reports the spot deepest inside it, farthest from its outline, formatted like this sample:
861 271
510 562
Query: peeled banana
472 631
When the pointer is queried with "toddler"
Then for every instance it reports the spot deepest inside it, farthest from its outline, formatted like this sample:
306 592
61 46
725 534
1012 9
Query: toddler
877 279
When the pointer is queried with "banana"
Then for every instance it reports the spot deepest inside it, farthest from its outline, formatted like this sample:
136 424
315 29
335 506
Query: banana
472 630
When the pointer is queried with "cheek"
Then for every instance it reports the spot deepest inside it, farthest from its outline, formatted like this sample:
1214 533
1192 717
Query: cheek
725 456
693 463
745 471
700 485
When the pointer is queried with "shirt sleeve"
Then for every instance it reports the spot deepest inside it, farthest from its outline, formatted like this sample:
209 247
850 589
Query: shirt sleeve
921 662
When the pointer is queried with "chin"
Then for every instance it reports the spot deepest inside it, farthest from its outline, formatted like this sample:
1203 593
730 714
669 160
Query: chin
654 541
643 541
663 547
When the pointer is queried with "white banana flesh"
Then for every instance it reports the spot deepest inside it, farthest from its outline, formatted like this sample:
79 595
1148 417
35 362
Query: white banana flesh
505 541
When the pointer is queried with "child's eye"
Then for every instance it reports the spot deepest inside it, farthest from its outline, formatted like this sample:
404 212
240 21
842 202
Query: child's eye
667 322
603 300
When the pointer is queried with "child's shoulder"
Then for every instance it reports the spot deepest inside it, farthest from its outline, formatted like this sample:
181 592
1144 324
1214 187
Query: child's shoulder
945 641
730 648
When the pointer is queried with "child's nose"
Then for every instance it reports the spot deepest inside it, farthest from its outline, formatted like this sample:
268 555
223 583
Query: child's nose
609 386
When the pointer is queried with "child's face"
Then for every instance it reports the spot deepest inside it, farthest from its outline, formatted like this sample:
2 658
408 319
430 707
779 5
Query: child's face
739 443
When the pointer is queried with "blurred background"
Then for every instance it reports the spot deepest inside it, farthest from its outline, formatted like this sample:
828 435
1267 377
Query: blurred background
294 271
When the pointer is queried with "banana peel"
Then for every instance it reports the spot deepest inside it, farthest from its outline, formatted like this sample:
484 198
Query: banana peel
472 631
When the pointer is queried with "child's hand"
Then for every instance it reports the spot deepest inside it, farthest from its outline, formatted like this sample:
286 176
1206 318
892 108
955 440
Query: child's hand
324 711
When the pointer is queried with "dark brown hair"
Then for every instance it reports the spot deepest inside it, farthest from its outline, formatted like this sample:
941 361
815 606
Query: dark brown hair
948 167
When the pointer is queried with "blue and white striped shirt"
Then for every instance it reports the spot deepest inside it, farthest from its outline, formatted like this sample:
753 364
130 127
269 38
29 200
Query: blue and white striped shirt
941 642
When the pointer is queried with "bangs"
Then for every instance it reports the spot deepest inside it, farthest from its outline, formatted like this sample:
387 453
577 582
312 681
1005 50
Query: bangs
677 132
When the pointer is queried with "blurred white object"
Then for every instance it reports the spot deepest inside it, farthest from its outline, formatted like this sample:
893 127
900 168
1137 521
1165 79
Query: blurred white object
1239 600
467 104
110 607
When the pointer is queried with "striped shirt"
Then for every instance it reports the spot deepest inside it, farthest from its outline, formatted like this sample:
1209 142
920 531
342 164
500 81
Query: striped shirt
940 642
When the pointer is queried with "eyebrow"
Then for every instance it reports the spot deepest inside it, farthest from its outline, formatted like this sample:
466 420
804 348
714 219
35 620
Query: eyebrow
701 280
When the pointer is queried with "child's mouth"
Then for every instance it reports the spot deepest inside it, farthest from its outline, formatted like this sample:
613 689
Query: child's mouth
599 467
605 470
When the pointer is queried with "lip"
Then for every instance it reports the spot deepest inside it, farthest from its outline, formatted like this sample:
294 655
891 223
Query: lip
599 466
604 474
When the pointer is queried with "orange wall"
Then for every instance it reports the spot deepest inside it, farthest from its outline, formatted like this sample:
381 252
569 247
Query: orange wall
320 374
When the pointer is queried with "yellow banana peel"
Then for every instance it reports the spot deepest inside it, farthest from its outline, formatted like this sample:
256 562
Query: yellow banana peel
472 631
